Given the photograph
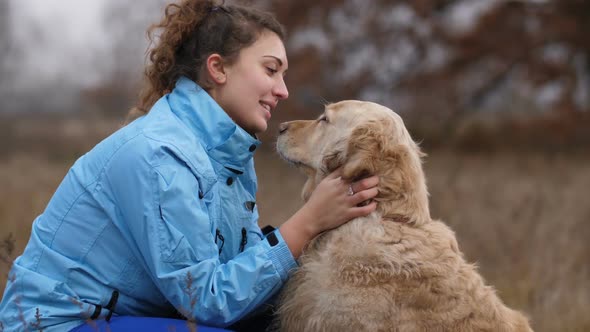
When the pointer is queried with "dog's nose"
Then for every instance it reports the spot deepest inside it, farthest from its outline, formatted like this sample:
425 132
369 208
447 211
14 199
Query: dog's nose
283 127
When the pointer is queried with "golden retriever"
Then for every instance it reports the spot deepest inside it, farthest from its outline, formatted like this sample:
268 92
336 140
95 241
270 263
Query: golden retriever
396 269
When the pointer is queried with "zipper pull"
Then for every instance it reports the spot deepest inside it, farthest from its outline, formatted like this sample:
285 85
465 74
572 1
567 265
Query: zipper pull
244 239
220 237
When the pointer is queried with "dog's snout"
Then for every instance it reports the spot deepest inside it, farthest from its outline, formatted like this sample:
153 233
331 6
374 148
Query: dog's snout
283 127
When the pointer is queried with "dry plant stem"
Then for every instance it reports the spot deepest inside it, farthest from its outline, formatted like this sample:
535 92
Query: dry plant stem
190 291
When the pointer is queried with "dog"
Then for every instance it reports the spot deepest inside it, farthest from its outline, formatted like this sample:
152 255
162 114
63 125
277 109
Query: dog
396 269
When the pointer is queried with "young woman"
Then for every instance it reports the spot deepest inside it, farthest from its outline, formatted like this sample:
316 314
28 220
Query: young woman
159 219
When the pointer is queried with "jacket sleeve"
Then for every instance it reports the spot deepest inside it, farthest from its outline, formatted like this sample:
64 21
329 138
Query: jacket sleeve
171 229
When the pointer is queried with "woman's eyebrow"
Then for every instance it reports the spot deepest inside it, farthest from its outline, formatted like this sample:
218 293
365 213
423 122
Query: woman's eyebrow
274 57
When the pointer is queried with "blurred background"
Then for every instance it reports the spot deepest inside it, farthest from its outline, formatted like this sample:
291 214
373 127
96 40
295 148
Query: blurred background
497 92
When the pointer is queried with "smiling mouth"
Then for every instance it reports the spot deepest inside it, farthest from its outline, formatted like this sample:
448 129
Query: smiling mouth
266 106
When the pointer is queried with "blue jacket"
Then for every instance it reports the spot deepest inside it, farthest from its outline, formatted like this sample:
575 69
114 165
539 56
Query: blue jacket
163 212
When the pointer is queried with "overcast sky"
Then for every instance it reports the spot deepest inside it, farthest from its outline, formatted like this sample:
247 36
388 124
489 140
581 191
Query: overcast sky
56 48
67 40
58 37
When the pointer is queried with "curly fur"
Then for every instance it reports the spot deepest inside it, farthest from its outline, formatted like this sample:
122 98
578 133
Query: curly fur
396 269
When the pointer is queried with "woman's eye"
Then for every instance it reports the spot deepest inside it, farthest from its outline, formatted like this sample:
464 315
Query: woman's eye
271 70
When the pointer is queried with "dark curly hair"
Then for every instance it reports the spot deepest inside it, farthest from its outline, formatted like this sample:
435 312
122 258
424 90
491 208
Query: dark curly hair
191 31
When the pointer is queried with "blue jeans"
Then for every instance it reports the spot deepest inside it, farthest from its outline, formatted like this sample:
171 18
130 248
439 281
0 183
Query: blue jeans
147 324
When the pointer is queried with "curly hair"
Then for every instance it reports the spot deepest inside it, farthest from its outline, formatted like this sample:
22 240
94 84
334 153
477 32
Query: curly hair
190 31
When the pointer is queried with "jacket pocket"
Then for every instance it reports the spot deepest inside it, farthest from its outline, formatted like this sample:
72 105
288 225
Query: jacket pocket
170 241
176 248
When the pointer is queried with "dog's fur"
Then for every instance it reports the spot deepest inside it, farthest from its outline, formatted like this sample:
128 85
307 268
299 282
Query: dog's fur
396 269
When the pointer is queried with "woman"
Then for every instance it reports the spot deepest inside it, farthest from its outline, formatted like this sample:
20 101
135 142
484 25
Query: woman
160 219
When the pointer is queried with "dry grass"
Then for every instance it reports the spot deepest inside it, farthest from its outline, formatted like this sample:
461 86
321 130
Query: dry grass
522 217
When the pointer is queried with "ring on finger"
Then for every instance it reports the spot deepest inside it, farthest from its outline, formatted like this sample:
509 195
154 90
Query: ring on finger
350 191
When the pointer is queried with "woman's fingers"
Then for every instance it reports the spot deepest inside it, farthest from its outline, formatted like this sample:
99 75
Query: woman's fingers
359 193
364 184
363 196
361 211
363 190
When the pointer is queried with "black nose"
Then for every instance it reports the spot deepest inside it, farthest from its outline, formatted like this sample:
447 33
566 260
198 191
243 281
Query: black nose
283 127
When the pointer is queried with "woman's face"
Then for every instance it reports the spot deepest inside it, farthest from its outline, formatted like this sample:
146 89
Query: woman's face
254 83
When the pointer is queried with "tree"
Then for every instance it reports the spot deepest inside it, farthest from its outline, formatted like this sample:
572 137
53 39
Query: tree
5 47
125 23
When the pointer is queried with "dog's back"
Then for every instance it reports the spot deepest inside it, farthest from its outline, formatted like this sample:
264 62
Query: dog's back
379 275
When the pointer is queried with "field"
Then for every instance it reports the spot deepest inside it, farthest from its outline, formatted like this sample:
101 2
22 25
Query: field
522 217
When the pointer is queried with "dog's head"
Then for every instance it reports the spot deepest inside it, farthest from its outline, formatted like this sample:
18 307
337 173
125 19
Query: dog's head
363 139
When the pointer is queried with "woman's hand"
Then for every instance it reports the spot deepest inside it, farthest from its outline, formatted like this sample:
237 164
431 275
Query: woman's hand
332 203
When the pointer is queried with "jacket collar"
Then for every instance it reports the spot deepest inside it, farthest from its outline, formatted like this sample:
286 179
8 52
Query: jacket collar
225 141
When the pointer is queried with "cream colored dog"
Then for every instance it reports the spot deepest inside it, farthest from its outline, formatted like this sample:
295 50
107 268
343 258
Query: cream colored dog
395 270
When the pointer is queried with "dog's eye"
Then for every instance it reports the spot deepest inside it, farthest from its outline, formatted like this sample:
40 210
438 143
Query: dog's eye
323 118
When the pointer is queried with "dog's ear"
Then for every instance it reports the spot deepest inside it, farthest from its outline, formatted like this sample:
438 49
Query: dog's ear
374 150
332 161
365 147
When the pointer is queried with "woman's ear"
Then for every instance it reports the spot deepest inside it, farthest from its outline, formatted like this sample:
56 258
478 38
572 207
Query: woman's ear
215 69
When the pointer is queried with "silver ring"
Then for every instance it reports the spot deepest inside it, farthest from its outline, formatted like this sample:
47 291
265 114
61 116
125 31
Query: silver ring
350 191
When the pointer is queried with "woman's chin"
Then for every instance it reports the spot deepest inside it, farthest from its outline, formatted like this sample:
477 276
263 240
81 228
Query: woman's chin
256 128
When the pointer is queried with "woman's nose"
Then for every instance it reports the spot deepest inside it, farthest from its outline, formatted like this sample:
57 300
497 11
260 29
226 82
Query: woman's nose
280 90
